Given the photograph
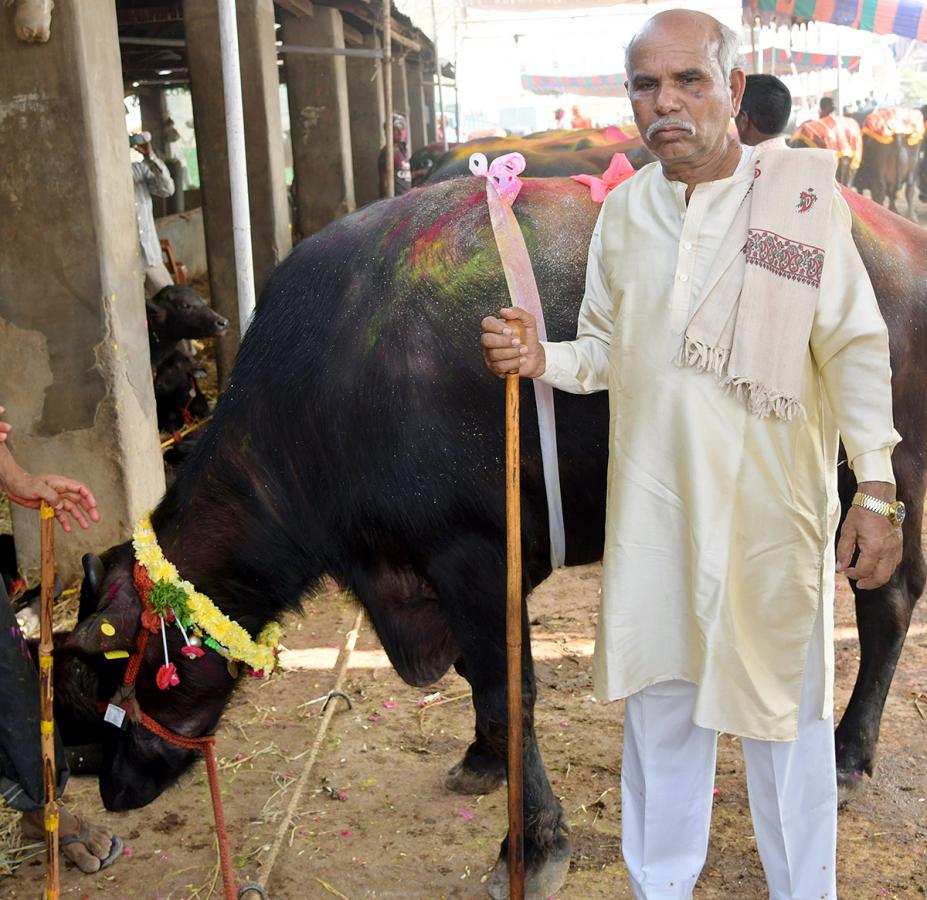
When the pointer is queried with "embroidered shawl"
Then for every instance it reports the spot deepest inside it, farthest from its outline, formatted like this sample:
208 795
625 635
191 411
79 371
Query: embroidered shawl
753 324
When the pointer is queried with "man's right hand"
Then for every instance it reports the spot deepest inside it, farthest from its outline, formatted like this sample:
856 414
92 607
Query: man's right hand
504 353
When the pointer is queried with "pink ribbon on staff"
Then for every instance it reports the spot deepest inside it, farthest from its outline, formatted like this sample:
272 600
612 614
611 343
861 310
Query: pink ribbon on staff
502 172
502 187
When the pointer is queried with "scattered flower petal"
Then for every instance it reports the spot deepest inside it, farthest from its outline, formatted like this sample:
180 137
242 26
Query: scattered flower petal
466 814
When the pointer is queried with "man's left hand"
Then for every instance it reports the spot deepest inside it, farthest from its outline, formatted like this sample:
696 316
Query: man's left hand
879 542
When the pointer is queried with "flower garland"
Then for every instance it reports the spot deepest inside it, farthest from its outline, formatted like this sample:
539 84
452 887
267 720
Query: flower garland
173 599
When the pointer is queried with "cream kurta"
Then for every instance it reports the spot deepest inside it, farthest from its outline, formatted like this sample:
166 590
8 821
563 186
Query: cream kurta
719 526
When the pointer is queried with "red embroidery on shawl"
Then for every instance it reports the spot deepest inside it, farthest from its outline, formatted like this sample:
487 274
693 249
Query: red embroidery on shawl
806 199
783 257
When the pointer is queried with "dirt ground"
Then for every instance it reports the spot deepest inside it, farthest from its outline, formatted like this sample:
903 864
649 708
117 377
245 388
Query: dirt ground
377 822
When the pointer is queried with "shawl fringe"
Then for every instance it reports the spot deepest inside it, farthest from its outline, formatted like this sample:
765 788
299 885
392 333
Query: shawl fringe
760 399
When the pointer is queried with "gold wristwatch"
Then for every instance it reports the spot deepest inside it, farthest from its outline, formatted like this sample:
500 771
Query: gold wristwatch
894 512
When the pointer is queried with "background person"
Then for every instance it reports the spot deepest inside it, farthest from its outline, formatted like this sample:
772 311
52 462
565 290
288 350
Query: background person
764 110
402 167
151 179
579 120
90 847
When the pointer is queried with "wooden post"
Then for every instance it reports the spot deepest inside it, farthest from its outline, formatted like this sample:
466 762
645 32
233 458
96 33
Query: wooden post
513 602
47 698
387 64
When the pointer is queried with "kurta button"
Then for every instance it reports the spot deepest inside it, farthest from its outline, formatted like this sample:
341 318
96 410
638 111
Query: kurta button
687 245
683 277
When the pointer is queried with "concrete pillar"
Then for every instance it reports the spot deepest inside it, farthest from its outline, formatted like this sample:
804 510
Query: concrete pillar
365 95
76 380
320 125
431 123
270 226
417 116
400 87
153 108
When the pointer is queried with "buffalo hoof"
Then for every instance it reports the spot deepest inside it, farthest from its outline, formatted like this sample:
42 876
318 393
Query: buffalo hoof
848 784
464 780
542 879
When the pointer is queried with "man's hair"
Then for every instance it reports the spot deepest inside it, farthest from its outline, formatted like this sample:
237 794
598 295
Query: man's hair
728 51
768 103
827 106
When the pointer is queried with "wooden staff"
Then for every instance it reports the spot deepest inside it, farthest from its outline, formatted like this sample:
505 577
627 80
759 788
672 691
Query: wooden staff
46 700
513 628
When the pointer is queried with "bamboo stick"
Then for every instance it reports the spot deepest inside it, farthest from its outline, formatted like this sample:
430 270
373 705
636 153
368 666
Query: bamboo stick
46 700
513 629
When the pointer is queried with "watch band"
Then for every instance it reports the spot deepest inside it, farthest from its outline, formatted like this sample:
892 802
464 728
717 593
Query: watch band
873 504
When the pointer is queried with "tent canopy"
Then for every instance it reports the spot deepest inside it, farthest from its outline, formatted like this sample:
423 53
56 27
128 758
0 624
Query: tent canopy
906 18
542 5
803 62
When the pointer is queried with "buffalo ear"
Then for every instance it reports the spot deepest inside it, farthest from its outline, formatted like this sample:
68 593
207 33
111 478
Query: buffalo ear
155 312
93 571
91 585
115 622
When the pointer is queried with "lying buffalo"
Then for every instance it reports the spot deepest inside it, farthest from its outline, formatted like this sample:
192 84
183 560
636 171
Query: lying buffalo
371 450
549 153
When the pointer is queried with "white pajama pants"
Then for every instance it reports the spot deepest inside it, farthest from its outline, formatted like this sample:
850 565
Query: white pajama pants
667 782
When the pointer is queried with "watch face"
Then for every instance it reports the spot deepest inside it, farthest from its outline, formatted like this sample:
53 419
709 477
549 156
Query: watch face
899 512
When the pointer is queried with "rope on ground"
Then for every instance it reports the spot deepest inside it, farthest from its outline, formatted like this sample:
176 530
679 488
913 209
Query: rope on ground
268 863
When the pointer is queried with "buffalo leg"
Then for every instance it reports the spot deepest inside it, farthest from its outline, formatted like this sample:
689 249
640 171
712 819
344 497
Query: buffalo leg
482 770
470 580
882 619
910 191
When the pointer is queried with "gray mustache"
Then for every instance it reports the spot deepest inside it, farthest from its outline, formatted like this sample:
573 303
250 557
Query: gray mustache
676 123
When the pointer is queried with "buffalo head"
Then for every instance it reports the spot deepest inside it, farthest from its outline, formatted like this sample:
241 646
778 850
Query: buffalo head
138 764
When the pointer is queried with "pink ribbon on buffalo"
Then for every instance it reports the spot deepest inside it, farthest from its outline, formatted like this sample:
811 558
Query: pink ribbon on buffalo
502 188
619 169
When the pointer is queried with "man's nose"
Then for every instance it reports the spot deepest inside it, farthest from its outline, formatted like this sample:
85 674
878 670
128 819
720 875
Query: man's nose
666 100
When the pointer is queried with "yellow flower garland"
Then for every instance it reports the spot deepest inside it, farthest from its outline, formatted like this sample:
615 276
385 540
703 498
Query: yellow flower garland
259 654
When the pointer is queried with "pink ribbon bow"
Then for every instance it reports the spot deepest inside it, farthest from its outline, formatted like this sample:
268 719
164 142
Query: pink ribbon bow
502 172
619 169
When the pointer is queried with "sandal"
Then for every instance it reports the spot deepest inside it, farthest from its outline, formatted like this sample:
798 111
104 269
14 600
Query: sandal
82 836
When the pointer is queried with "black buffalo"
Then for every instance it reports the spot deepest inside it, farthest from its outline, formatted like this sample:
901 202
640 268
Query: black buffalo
361 437
178 312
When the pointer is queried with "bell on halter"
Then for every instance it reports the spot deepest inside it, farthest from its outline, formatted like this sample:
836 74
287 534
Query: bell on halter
194 640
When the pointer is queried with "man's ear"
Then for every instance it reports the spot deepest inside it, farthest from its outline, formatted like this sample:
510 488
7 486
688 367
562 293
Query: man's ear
738 86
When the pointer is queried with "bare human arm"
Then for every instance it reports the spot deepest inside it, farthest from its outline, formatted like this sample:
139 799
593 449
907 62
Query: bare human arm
70 499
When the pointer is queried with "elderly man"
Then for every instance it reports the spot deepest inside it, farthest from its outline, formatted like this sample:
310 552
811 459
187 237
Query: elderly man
764 110
729 316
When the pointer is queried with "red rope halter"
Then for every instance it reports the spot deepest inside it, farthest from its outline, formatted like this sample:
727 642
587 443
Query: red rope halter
206 744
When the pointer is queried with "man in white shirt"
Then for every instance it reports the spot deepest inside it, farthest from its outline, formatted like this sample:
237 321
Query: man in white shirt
718 575
151 179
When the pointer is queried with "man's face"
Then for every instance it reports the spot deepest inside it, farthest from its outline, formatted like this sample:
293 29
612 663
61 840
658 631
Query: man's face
681 102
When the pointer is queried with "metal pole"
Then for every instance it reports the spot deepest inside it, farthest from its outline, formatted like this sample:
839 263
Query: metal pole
838 108
434 41
388 96
456 78
330 51
238 169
